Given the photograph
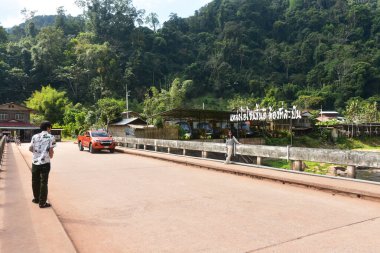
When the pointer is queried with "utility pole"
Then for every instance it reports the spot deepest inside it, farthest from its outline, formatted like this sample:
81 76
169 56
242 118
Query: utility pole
126 98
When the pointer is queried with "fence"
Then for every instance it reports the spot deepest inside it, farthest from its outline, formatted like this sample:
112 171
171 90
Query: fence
2 146
167 133
351 159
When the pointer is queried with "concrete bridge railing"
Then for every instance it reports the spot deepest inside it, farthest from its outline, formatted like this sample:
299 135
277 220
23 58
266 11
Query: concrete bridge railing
351 159
2 146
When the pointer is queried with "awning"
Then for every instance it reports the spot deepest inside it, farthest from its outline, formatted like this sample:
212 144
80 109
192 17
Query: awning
14 124
18 128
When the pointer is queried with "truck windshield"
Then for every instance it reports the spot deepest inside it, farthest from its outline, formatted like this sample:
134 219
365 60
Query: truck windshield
99 134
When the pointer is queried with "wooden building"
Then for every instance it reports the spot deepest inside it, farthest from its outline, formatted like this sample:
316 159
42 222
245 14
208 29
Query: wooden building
126 127
15 122
327 115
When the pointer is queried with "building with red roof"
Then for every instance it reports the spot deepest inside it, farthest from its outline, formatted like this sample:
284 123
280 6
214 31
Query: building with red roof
15 121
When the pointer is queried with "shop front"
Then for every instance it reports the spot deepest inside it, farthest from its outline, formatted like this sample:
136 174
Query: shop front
19 130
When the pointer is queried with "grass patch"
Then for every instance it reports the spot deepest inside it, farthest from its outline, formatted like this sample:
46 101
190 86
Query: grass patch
284 141
316 140
277 163
309 142
317 168
372 143
311 167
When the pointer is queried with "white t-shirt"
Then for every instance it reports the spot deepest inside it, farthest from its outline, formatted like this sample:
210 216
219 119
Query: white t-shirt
41 143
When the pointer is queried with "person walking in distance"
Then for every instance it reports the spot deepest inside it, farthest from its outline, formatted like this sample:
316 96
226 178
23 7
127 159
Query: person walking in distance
42 145
231 141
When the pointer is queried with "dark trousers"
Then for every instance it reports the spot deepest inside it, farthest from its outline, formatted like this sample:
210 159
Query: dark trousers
40 178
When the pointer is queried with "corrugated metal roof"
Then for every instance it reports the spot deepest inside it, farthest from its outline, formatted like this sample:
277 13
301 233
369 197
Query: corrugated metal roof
124 122
182 113
328 112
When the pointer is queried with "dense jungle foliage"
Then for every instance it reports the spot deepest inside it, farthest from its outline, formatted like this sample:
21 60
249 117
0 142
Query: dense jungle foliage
312 53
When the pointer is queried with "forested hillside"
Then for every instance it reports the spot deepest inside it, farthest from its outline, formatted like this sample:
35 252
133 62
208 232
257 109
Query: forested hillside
313 53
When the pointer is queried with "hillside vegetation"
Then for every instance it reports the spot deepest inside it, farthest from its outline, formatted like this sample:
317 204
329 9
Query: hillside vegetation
314 53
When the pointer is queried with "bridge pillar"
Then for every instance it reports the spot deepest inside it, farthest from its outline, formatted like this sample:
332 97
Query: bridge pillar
204 154
155 148
259 160
351 171
297 165
144 147
136 146
168 150
184 152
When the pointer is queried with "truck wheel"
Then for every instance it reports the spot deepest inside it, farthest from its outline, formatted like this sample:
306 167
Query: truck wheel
80 146
91 149
112 150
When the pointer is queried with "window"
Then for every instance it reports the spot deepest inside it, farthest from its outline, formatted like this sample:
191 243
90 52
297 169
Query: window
3 116
19 116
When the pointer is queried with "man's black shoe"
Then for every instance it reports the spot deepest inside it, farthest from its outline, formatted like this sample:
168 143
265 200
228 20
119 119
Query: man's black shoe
45 205
35 201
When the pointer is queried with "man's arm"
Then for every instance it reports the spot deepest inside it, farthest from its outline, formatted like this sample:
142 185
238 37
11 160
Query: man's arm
31 146
52 146
51 152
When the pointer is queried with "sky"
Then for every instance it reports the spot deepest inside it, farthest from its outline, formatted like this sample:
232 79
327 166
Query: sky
10 10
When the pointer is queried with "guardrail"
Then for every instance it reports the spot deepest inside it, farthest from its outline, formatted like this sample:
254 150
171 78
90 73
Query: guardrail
2 146
351 159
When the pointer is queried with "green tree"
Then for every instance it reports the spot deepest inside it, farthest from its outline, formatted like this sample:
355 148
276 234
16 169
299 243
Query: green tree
152 21
239 101
48 53
75 119
308 102
99 63
49 103
3 35
110 20
159 101
109 109
353 112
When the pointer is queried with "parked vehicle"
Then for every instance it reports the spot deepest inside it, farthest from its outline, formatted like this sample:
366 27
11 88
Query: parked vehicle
185 130
96 141
205 130
246 130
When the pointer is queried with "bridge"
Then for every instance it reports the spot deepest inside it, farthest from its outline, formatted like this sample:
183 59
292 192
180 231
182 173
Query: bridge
145 201
351 159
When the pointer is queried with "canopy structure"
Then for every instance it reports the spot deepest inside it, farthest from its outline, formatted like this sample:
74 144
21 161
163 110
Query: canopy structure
18 125
195 114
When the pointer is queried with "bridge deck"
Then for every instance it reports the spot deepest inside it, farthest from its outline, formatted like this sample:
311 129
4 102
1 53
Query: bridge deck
127 203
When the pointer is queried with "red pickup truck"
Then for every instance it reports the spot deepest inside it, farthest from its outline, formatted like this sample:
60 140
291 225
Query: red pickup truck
95 141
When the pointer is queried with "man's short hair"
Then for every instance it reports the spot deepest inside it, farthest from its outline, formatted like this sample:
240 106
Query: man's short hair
45 125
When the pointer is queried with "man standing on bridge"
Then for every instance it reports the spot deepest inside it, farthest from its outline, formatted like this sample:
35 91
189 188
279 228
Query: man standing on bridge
42 145
231 142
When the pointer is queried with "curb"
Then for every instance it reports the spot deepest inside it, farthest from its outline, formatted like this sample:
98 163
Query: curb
64 236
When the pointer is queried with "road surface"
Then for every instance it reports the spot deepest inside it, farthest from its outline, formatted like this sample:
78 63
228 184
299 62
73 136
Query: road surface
124 203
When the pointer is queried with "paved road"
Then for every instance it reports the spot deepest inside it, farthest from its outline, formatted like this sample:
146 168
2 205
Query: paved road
124 203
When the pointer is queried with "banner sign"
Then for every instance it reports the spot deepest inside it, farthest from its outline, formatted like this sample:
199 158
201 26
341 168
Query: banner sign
265 114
